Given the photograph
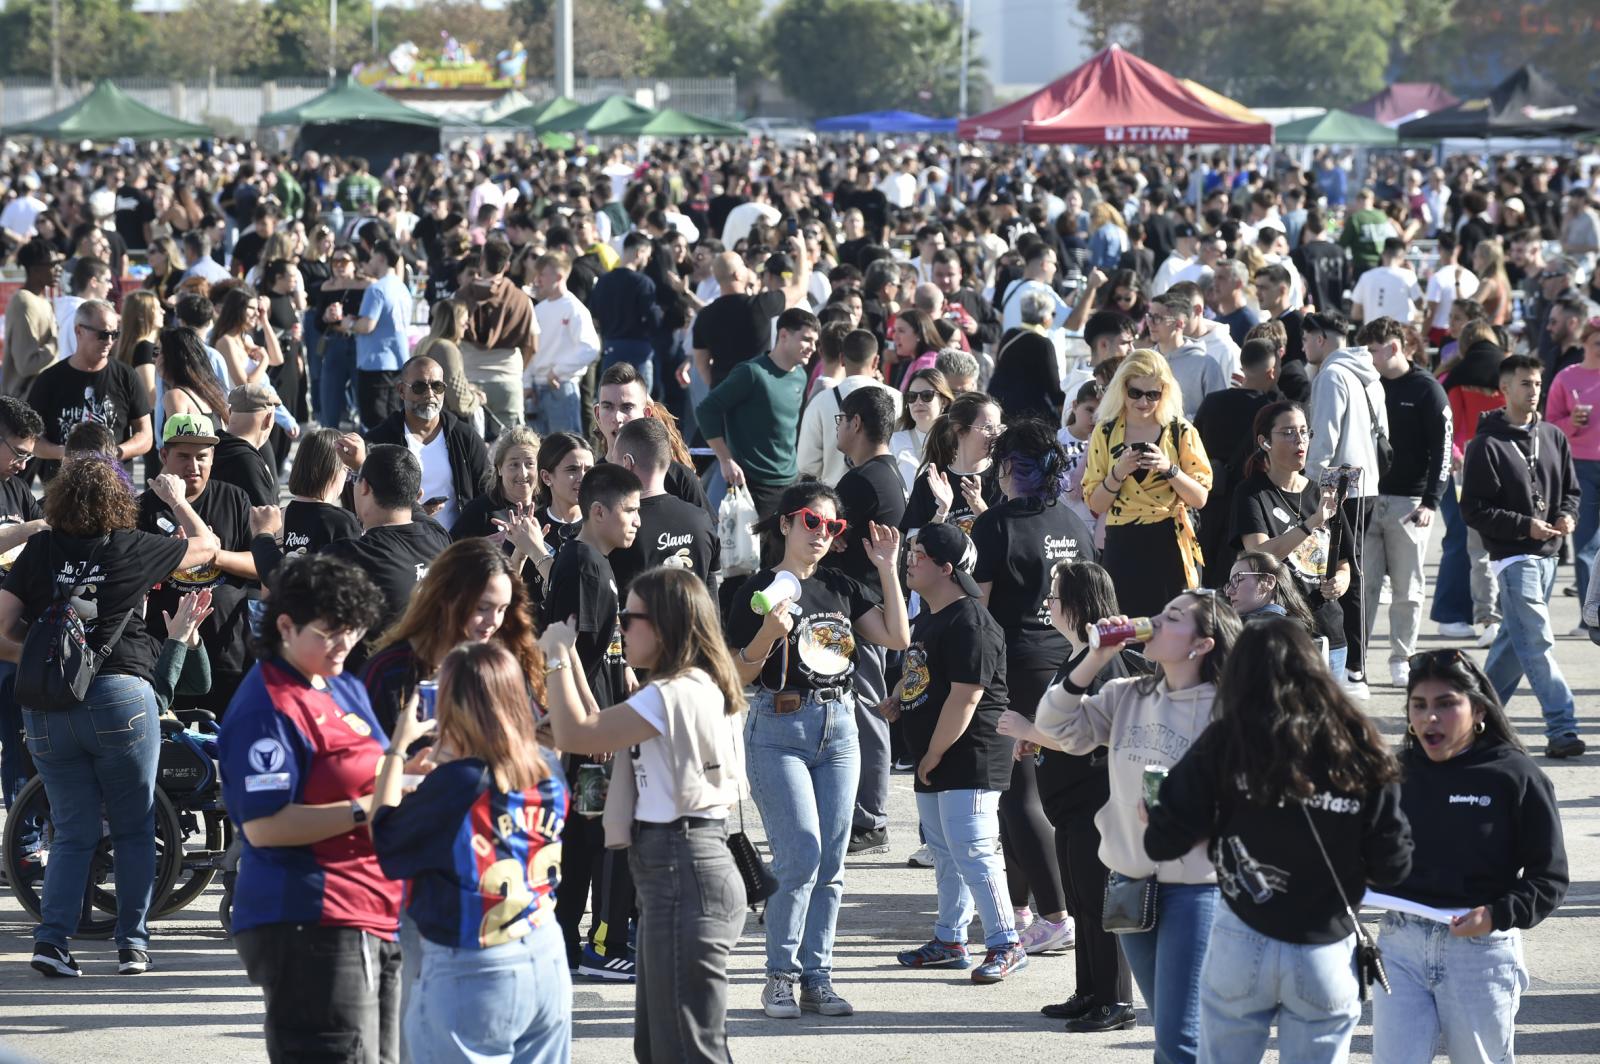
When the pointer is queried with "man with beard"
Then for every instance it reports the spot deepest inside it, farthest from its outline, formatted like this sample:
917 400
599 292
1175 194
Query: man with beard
455 463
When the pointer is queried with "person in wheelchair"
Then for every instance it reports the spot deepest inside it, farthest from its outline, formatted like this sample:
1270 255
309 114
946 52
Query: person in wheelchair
103 751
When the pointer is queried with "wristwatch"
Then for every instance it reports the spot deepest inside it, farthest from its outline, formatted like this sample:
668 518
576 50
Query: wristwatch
358 812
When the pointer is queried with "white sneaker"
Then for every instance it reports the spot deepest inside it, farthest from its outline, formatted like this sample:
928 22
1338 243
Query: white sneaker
1042 936
777 997
1457 630
1357 689
921 857
1489 635
1399 673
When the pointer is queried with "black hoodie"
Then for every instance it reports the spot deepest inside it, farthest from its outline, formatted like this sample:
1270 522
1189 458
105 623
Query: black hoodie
1419 429
1505 466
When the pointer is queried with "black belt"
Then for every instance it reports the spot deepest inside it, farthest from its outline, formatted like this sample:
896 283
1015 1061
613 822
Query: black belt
683 823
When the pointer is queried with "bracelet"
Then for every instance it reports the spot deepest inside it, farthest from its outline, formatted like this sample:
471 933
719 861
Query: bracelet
1112 490
763 661
557 667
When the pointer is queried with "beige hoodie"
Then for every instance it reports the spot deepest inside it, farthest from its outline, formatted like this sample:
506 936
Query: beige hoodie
1141 729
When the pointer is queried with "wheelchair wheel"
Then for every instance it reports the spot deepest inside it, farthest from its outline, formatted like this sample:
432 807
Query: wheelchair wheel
28 838
206 834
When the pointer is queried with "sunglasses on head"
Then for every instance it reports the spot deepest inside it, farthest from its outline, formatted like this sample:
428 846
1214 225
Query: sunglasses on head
1136 394
1447 658
424 387
925 395
833 526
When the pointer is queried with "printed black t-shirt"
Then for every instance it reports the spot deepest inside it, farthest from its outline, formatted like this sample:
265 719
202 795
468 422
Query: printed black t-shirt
921 505
1019 542
1260 507
124 568
822 643
583 587
65 396
672 533
397 557
961 643
17 507
226 511
309 526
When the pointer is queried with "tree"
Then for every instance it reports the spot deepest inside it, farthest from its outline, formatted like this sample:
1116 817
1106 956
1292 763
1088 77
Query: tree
223 37
850 55
98 38
610 38
710 38
304 44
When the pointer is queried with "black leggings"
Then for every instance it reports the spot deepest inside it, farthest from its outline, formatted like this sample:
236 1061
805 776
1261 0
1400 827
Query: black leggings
1026 836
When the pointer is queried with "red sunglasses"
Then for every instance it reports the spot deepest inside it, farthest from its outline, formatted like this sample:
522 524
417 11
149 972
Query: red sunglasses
834 526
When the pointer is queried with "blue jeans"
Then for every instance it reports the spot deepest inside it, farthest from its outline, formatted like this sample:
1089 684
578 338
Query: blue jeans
555 409
1336 660
1452 588
1463 991
1166 964
336 385
637 353
962 828
1250 980
1526 645
100 753
511 1002
804 767
1586 537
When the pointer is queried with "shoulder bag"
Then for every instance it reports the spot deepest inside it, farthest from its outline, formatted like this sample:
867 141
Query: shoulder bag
57 663
1130 904
1369 958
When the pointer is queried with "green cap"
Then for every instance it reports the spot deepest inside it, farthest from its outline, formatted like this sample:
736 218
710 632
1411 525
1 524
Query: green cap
188 428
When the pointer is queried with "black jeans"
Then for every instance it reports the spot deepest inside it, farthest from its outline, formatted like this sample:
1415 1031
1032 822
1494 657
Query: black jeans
691 911
332 993
376 396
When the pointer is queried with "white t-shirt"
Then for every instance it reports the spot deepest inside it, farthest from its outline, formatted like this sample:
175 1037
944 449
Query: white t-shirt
652 766
744 217
1448 284
1387 292
436 479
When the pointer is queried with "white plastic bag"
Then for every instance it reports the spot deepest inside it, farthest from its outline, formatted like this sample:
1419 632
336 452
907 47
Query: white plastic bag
741 550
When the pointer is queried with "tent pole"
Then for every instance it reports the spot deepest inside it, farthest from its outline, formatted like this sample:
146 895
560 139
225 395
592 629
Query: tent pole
55 55
333 41
966 35
564 48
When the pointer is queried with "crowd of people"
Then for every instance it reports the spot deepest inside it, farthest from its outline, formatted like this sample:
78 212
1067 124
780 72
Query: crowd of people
519 513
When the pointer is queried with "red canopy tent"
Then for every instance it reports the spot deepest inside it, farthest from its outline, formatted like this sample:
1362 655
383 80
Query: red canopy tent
1114 98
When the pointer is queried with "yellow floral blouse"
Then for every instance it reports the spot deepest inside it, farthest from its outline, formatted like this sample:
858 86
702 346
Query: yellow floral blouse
1152 500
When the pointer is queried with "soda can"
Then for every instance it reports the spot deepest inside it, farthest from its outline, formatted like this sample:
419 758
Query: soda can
1133 630
427 699
1153 775
589 798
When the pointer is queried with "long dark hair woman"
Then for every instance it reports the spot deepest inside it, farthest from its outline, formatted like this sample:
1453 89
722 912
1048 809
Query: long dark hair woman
1293 785
1020 540
1458 984
188 382
103 750
957 481
669 802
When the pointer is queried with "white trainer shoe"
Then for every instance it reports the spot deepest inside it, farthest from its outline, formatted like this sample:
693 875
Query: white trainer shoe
1489 635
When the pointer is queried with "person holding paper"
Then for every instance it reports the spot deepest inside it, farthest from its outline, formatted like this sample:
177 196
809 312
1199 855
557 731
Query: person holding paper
1466 776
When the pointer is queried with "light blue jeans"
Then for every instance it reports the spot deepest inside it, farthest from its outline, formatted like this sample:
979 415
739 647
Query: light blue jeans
962 828
510 1003
804 767
99 754
1166 964
1526 645
1586 537
1250 980
1461 992
555 409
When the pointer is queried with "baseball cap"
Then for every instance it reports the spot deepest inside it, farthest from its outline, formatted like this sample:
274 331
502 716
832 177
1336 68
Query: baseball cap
779 265
253 398
946 544
188 428
1183 229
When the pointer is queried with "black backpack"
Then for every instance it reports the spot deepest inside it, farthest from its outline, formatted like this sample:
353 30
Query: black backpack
58 663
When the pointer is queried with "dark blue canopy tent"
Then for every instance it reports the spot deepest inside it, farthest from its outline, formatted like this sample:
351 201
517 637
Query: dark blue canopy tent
886 122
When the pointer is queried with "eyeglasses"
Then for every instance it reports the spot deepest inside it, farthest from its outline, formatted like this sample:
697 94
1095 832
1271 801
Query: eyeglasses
840 419
1136 394
925 395
627 617
338 635
1233 581
1294 434
22 457
424 387
104 334
833 526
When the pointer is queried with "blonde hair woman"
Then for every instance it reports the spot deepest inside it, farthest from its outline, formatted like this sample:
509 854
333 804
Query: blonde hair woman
142 318
1146 470
443 345
1494 286
1108 235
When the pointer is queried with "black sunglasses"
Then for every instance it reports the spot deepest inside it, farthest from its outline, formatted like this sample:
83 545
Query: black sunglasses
926 395
1446 658
627 617
104 334
1135 394
424 387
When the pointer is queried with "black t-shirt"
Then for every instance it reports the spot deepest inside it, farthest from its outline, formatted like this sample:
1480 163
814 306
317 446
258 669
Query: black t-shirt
673 533
961 643
226 511
17 507
396 557
247 251
557 533
921 505
736 328
582 586
120 576
66 396
310 526
1019 543
822 643
250 469
872 491
477 521
681 483
134 210
1260 507
144 354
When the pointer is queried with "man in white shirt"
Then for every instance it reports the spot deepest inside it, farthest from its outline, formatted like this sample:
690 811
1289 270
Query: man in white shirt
485 192
20 214
197 249
817 455
1449 283
568 345
91 279
1038 271
744 217
1389 290
899 187
930 241
1185 238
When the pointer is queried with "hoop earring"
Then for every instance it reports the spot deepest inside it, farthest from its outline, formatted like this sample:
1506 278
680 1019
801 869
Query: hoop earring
1411 729
1480 727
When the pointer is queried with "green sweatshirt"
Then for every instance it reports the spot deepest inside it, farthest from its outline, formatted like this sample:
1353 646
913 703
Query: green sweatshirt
756 409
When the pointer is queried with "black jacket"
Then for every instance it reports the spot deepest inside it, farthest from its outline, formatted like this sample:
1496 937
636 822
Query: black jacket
1419 429
236 461
982 312
470 475
1497 490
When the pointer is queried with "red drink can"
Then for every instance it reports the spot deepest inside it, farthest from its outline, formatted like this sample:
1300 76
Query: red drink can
1133 630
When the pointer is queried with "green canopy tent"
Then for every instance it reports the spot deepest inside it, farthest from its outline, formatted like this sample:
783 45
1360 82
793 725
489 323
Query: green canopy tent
351 119
591 116
669 122
1336 127
106 114
535 115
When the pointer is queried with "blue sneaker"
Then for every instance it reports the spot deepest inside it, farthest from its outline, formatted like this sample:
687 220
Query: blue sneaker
999 964
617 969
936 954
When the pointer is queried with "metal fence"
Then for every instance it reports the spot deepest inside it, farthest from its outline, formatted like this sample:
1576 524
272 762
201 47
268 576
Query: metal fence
235 104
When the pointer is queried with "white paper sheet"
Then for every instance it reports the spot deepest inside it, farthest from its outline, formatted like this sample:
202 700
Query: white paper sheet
1377 900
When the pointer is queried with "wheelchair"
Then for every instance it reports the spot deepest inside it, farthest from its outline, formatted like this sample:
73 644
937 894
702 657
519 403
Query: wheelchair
194 839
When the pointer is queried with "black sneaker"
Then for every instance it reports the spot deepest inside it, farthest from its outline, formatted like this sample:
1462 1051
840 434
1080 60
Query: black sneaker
1569 745
1103 1018
1075 1006
132 962
54 962
875 840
